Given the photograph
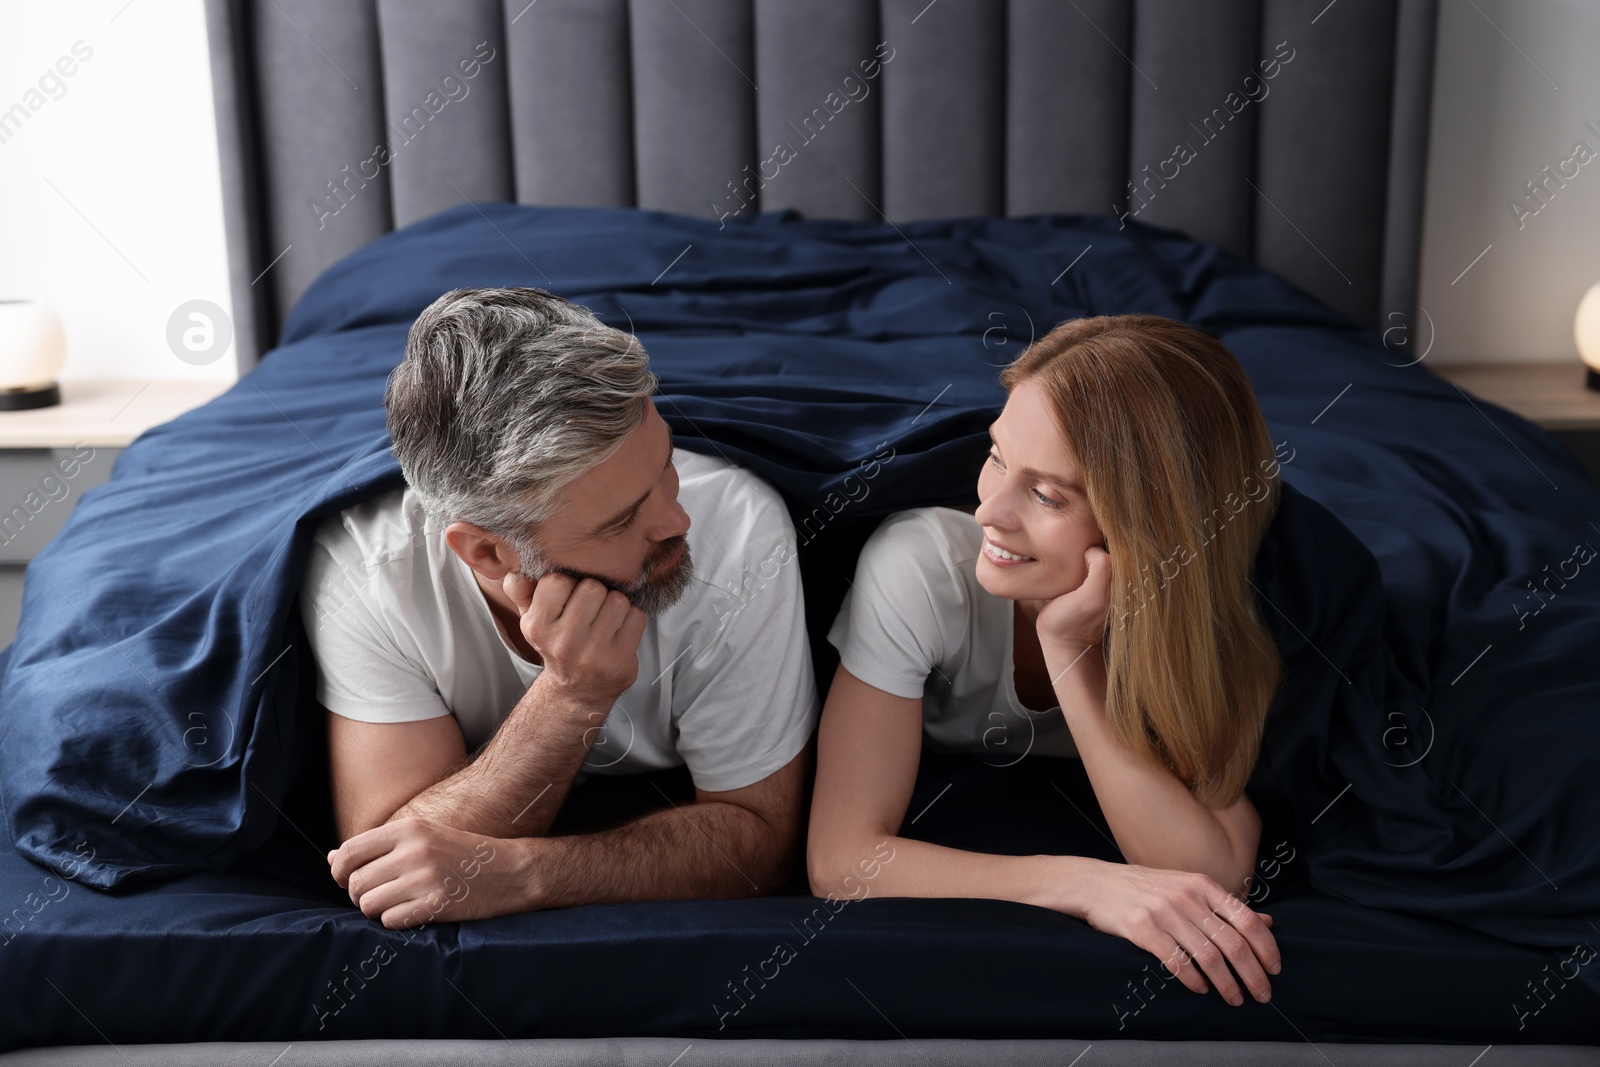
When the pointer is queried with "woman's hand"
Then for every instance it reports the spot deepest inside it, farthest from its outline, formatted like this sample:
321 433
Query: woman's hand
1190 923
1076 620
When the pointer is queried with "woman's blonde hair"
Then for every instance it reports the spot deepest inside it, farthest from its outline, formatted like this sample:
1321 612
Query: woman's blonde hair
1178 466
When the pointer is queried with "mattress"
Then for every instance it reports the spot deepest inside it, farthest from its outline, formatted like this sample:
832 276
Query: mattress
248 956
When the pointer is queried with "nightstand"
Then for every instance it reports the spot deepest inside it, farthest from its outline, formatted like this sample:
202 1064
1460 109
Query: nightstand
1550 394
50 456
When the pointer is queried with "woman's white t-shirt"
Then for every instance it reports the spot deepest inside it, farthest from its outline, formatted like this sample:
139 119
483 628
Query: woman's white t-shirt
401 631
916 623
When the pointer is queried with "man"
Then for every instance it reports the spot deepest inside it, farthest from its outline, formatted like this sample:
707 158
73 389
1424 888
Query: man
532 597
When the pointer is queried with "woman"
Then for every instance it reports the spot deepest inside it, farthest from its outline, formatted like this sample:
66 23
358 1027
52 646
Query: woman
1104 579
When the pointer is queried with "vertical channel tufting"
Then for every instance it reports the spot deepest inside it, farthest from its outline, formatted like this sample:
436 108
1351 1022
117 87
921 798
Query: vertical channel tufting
979 106
1067 105
694 93
943 108
817 114
444 77
1322 166
574 51
321 114
1411 95
1193 130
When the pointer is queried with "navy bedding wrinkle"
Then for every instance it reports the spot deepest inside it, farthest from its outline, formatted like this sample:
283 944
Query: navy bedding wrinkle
1436 755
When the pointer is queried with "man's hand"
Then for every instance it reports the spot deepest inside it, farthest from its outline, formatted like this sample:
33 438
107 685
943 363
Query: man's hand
412 872
1194 926
587 635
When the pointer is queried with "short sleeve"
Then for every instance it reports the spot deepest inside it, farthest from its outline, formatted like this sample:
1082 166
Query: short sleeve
746 690
891 629
361 673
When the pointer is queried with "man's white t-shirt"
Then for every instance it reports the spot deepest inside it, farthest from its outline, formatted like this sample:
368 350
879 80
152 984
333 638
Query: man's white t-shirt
916 623
401 631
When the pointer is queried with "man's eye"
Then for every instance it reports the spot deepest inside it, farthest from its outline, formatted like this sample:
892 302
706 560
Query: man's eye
621 527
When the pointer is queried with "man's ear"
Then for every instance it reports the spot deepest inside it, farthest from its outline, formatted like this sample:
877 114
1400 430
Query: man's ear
481 550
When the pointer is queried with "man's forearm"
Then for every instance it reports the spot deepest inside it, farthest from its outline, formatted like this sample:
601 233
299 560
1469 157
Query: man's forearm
712 849
521 778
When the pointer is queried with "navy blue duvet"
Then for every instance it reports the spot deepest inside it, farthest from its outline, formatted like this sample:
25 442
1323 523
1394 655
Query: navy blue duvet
1430 577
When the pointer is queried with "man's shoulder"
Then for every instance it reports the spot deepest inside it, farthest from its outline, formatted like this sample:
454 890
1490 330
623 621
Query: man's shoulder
729 505
388 528
740 534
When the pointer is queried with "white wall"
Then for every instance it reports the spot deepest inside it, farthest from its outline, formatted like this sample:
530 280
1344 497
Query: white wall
1500 115
128 142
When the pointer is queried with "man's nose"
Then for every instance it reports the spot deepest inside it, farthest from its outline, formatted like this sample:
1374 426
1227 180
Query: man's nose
675 523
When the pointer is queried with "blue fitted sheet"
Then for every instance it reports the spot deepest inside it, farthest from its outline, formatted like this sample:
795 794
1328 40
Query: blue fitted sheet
235 957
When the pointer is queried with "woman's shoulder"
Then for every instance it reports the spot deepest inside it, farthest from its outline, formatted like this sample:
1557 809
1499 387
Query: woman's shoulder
924 556
913 598
927 536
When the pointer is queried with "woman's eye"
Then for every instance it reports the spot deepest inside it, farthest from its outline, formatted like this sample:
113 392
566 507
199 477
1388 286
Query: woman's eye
996 461
1046 501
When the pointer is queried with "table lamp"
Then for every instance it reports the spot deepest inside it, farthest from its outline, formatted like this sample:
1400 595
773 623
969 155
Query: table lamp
1587 330
33 347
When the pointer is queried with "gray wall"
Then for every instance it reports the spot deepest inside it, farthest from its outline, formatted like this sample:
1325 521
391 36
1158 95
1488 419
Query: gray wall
1507 102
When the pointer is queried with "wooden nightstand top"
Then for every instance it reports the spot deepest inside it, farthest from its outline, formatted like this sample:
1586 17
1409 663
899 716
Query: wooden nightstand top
1550 394
104 413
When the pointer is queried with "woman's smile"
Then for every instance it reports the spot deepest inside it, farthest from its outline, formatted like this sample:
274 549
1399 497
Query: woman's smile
1002 557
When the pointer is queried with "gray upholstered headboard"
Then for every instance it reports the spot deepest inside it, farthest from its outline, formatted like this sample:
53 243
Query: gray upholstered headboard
1305 121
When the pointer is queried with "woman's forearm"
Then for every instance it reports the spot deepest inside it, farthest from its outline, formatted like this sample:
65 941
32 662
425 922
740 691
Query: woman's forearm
900 867
1156 820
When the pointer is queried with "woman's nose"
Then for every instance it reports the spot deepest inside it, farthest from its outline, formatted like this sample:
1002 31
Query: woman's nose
993 512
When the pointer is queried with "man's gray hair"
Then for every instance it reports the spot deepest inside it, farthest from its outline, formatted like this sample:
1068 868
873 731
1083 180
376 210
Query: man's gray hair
503 398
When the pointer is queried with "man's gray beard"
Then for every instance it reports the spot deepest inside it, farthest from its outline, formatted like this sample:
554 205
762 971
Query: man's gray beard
651 595
655 595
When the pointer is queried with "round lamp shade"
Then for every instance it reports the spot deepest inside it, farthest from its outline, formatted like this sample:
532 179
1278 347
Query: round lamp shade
33 346
1587 331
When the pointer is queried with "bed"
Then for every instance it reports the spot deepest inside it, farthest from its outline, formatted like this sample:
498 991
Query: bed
164 793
